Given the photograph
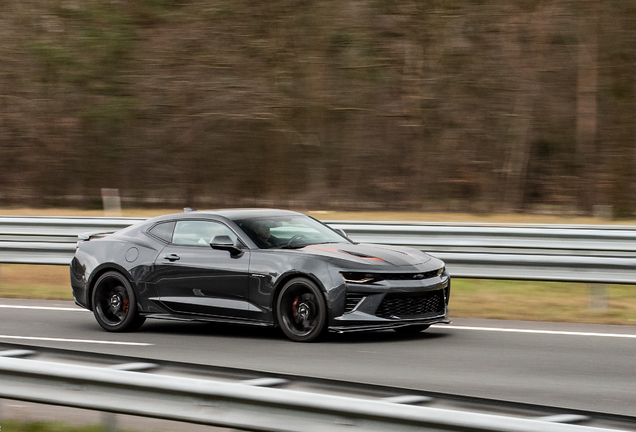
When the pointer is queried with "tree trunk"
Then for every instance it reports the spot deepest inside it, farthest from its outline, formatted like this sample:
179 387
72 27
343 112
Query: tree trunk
586 108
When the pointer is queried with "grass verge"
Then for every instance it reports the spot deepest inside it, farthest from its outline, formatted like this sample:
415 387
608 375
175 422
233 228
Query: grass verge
41 426
35 282
470 298
351 215
541 301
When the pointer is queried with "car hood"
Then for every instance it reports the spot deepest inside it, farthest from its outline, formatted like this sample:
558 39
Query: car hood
371 254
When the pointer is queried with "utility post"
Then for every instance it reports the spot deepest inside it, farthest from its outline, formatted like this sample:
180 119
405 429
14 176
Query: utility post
598 297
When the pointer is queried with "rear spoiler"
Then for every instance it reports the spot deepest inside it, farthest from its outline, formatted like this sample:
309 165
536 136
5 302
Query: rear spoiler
94 234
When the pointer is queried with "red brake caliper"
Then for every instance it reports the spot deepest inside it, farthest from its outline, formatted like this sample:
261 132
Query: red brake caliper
126 302
295 309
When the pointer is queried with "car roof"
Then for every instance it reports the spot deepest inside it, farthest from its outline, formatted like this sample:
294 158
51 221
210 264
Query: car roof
232 214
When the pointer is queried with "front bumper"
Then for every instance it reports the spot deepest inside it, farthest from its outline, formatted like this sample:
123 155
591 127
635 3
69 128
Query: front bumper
401 305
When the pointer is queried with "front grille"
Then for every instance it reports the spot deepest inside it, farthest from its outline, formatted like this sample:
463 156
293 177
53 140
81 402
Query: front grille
352 301
412 305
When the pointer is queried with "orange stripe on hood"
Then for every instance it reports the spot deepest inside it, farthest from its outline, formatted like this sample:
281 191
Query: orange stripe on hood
344 253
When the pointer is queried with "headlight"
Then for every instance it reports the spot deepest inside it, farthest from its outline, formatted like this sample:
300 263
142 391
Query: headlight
360 278
440 271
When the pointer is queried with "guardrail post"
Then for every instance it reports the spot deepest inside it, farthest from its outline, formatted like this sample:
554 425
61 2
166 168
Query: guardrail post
111 202
598 297
109 421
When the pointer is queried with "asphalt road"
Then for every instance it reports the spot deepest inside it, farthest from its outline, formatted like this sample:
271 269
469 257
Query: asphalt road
577 366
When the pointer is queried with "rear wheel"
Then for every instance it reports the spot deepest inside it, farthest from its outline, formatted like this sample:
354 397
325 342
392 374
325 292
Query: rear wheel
114 303
411 329
301 310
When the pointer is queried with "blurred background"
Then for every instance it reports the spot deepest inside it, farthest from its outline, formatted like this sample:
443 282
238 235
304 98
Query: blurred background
441 105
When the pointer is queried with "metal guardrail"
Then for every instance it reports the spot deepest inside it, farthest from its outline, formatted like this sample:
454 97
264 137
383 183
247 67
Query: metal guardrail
574 253
49 240
602 254
56 229
239 405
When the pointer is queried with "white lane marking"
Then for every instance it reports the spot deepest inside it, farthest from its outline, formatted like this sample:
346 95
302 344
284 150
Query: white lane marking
551 332
44 308
493 329
74 340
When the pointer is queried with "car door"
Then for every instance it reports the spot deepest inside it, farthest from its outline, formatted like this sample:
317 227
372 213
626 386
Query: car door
193 278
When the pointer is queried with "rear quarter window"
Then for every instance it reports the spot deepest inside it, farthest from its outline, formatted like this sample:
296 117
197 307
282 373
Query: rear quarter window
163 231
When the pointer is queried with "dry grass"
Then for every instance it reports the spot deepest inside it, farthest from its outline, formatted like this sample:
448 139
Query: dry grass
515 300
16 211
35 282
48 426
540 301
349 215
464 218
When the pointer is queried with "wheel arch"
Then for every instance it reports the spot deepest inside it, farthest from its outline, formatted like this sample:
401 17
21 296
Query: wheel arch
98 272
293 275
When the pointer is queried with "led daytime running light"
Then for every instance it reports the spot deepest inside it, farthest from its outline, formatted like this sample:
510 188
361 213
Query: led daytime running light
359 278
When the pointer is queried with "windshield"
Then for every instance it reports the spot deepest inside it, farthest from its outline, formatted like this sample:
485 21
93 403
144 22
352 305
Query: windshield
288 232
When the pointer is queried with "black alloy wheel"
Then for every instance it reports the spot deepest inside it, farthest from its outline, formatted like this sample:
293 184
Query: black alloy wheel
301 310
114 303
411 329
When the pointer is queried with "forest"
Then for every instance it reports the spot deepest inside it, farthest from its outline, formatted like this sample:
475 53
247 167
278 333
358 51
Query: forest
454 105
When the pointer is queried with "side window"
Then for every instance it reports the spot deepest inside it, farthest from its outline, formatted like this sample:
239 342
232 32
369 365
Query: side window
163 231
199 233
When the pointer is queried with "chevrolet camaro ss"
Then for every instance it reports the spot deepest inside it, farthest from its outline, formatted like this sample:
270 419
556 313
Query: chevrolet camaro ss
256 266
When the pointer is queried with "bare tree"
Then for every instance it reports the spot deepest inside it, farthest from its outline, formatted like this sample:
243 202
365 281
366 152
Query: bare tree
586 106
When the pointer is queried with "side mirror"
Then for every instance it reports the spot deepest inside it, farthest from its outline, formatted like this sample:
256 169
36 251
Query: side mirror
342 233
225 243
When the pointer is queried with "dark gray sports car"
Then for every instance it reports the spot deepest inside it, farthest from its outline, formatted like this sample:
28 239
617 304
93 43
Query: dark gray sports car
260 267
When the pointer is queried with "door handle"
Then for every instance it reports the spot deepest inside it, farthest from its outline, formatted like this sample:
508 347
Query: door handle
172 257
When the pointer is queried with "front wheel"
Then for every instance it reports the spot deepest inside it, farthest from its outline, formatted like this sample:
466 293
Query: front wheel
301 310
114 303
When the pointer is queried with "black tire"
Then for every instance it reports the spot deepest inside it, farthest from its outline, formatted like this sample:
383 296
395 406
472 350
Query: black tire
137 323
411 329
114 303
301 310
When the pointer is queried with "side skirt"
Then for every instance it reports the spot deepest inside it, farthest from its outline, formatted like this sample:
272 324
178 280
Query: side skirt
172 317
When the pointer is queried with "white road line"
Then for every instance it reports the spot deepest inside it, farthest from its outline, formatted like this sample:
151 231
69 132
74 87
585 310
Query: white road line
550 332
74 340
442 326
44 308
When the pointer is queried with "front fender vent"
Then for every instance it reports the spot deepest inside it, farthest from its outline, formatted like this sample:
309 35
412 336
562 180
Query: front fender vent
353 299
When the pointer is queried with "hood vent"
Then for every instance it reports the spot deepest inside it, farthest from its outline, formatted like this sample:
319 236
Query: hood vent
360 255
